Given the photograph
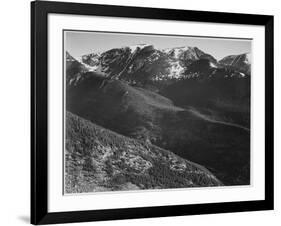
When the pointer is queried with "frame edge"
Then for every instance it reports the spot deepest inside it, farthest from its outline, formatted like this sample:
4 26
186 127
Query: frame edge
39 122
269 112
39 119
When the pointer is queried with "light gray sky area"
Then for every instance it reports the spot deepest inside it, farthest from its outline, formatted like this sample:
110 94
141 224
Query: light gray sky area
80 43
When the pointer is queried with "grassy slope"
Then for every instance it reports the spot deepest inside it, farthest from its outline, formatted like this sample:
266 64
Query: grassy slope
227 98
149 117
128 110
98 159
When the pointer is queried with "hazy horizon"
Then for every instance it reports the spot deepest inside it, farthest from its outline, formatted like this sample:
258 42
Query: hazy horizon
79 43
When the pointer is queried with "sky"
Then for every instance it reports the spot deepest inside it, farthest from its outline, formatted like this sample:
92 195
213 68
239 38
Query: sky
80 43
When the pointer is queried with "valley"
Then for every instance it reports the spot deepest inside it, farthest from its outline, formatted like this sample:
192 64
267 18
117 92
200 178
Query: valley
130 107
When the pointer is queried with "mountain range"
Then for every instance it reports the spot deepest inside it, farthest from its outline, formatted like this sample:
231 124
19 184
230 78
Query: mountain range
141 102
143 64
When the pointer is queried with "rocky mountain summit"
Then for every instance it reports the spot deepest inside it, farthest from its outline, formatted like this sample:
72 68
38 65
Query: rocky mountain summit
144 64
241 62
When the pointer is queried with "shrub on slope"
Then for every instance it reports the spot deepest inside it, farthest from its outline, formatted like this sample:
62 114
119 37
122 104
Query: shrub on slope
97 159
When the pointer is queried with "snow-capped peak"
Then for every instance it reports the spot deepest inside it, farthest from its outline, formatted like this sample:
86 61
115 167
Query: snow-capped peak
178 51
89 68
138 46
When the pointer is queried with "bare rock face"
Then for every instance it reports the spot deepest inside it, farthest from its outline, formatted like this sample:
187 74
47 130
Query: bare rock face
241 62
144 65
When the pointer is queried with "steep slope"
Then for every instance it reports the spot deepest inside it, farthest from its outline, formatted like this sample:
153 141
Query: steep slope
147 116
225 97
189 54
116 105
151 68
136 64
98 159
241 62
91 59
74 69
144 64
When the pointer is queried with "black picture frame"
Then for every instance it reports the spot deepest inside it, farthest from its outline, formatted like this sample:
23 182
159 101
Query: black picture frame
39 112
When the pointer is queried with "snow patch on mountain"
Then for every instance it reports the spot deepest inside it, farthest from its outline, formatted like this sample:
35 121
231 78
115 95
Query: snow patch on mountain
87 66
213 65
176 70
178 51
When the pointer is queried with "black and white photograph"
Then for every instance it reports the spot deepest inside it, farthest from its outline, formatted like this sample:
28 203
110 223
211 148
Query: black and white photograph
155 111
148 112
